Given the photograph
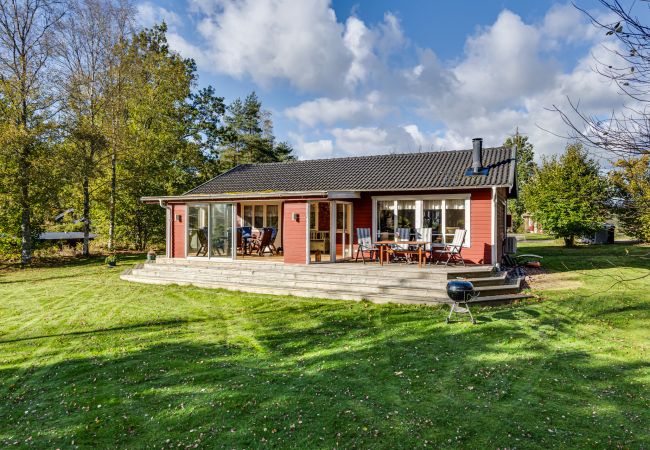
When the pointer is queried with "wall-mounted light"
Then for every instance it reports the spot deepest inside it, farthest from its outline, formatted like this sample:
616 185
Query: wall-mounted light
295 217
178 218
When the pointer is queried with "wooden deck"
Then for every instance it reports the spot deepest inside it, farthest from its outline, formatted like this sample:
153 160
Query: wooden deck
395 283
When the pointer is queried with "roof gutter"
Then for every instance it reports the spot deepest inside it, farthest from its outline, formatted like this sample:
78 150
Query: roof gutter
252 195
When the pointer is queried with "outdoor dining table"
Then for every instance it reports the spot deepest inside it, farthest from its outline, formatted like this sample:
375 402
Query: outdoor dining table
420 245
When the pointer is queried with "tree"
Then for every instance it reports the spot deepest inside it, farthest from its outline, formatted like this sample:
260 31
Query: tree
27 31
631 182
567 195
248 135
625 133
166 140
525 169
94 31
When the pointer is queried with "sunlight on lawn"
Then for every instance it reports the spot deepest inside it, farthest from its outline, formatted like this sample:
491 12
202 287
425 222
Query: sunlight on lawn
88 358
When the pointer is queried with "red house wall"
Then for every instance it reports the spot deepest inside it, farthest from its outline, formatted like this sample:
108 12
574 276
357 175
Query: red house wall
178 231
480 251
480 220
295 233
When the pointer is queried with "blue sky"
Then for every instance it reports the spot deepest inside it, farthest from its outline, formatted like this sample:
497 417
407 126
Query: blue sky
348 77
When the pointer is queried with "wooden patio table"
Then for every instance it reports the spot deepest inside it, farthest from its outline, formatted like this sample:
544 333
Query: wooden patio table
382 244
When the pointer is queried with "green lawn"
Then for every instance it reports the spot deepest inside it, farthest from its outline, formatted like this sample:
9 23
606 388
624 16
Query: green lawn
88 360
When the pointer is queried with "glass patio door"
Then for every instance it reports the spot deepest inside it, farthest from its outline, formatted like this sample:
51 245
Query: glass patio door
221 230
210 230
343 231
197 230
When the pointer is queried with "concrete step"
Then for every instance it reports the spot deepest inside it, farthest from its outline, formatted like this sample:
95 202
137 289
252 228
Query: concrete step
416 279
502 298
498 279
281 290
424 290
346 267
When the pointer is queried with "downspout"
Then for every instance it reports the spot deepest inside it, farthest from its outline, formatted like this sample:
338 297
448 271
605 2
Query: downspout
494 227
168 227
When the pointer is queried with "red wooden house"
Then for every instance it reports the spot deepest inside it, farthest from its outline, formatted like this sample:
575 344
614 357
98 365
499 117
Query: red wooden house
316 205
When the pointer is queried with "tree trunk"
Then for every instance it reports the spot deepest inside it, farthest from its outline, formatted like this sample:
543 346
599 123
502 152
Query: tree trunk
568 241
86 216
25 226
111 224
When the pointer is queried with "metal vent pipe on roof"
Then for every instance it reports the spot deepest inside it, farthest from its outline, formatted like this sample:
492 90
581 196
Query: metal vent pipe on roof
477 155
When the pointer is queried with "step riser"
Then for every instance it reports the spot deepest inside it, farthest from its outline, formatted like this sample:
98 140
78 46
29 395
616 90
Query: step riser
401 279
333 295
421 291
245 276
451 273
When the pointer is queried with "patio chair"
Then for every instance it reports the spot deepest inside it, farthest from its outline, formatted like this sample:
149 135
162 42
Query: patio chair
402 250
454 249
426 235
274 234
262 242
364 244
202 235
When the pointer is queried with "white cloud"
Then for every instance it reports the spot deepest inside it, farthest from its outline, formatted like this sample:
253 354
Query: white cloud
276 39
321 148
331 111
300 42
149 14
367 101
373 140
503 62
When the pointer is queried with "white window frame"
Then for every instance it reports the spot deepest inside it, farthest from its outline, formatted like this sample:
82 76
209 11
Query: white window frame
419 212
233 225
264 216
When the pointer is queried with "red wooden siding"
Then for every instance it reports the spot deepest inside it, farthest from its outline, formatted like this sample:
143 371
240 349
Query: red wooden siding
178 231
480 220
295 233
480 251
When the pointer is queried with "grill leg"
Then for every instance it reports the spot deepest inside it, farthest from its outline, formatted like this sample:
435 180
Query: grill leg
470 313
451 311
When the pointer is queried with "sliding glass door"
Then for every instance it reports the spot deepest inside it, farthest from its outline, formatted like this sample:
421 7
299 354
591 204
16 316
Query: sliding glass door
221 237
343 231
197 230
210 230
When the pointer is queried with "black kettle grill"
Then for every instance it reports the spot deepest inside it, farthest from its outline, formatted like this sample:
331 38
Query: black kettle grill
460 292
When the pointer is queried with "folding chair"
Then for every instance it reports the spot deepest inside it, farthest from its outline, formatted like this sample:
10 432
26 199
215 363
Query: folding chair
453 250
426 235
364 244
402 234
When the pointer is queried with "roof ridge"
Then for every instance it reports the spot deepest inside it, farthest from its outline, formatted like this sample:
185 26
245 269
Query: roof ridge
341 158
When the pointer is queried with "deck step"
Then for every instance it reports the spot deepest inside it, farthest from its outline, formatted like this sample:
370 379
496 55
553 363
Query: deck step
280 290
502 298
425 290
395 283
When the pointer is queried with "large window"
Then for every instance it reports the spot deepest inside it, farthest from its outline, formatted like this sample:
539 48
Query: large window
209 230
432 218
272 216
406 214
454 218
386 219
443 215
261 215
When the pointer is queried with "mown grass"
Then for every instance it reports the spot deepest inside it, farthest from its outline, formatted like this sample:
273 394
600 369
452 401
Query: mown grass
87 360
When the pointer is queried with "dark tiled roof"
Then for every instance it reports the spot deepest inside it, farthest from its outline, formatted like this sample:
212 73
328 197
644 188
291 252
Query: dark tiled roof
431 170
